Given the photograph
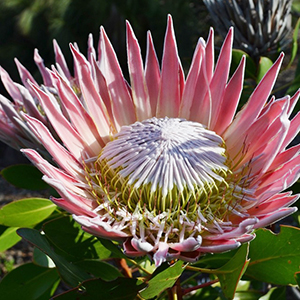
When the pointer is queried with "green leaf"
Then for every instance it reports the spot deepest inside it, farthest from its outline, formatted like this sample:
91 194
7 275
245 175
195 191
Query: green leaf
215 260
42 259
111 246
275 294
24 177
230 274
210 293
99 269
294 86
26 212
67 236
250 71
264 65
70 273
295 44
119 289
163 278
28 282
275 258
8 237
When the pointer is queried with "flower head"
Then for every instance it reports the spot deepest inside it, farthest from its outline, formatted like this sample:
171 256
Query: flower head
162 164
261 27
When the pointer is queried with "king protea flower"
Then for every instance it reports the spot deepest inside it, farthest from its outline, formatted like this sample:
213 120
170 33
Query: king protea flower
261 27
162 164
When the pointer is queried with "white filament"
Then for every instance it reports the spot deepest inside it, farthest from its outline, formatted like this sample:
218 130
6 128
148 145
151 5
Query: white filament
166 153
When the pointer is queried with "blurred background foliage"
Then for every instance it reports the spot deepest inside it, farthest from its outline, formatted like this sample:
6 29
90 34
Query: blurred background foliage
29 24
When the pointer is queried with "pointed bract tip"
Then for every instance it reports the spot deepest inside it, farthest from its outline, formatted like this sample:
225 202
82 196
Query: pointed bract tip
279 60
243 59
127 23
72 47
129 31
90 39
229 35
170 23
36 56
102 30
149 36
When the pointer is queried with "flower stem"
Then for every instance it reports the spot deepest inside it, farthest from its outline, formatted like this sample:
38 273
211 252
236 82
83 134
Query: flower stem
202 270
138 266
175 293
125 269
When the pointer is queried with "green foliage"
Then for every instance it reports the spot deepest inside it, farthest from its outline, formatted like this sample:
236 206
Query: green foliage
99 269
25 25
29 281
230 273
250 71
70 273
275 294
71 241
26 212
8 237
294 45
275 258
263 66
119 289
163 278
24 177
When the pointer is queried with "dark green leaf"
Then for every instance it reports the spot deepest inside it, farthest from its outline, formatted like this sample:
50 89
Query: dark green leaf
70 273
275 294
26 212
67 236
216 260
264 65
230 274
8 237
163 278
247 295
119 289
111 246
99 269
24 177
295 44
250 71
275 258
294 85
42 259
208 293
27 282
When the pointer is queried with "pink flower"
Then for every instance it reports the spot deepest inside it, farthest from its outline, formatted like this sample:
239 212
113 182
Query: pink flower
162 164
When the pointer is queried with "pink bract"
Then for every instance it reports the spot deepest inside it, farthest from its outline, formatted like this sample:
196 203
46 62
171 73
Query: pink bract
162 164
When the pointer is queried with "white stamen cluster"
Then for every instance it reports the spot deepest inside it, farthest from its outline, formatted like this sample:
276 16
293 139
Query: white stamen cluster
170 176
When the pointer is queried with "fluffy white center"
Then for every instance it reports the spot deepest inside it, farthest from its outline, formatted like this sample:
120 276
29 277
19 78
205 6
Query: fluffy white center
163 163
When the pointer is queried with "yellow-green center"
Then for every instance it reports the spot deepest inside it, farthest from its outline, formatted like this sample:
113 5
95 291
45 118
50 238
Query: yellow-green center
166 167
